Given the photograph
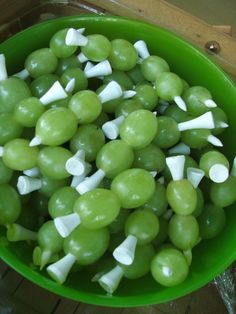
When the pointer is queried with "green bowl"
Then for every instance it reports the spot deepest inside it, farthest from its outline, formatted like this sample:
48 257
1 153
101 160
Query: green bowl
211 257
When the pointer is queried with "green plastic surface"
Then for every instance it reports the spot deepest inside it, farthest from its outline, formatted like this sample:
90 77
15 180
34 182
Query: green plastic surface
210 257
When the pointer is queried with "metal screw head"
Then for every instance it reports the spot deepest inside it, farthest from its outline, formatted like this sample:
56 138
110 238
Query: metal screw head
212 47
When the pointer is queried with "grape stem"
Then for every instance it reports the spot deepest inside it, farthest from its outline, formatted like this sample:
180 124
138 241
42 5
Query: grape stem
17 233
56 92
70 86
82 58
111 129
233 170
23 74
209 103
218 173
66 224
110 281
91 182
205 121
180 103
75 38
26 185
129 94
180 148
195 175
1 151
214 141
110 92
33 172
60 270
78 179
125 252
102 68
3 69
142 49
35 141
76 165
176 166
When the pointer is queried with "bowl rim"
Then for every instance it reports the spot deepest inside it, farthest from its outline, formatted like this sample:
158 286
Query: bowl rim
97 299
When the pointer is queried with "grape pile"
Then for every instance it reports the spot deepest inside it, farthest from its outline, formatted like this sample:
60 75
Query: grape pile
109 161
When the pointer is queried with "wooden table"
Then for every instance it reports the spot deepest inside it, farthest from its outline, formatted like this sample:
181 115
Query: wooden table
31 299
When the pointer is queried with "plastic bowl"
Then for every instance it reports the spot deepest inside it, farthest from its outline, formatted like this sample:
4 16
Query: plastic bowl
211 257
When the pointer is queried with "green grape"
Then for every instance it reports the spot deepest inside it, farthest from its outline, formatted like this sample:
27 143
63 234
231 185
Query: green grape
62 201
52 161
150 158
168 86
141 264
87 245
196 138
153 66
181 196
6 173
110 105
185 85
219 117
136 74
139 128
169 267
134 187
183 231
223 194
158 202
49 241
28 111
211 158
97 208
58 45
10 128
81 81
162 234
59 103
89 138
142 224
147 95
42 84
28 218
97 49
86 106
200 203
118 224
40 62
49 238
125 107
56 126
101 119
50 186
167 134
123 55
114 157
194 98
18 155
10 206
211 221
12 90
176 113
121 78
66 63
